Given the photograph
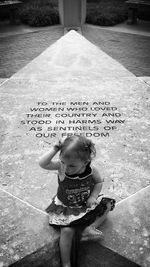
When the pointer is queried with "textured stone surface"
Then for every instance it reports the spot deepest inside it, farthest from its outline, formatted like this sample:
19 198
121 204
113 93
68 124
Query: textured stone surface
23 229
73 69
81 75
127 229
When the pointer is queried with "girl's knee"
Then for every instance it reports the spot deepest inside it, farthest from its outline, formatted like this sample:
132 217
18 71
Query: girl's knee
67 231
110 205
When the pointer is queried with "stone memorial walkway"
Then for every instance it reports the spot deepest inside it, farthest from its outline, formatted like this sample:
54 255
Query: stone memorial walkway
74 87
128 45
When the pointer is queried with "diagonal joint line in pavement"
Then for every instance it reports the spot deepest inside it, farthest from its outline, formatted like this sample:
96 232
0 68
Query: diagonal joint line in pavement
133 194
24 202
4 81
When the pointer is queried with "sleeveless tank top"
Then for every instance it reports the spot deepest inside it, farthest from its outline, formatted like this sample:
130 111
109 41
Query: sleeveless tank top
74 190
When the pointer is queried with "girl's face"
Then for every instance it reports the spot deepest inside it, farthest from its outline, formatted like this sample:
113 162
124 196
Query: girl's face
72 165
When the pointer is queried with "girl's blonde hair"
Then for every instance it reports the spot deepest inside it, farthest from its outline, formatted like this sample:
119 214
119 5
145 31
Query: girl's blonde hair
79 147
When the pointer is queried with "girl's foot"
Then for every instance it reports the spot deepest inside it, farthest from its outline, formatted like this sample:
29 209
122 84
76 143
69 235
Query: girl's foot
91 233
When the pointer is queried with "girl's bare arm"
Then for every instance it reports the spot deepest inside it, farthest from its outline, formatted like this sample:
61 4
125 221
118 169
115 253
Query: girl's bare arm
98 183
97 188
46 161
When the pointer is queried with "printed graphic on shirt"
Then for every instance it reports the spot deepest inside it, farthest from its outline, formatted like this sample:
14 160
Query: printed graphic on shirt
77 196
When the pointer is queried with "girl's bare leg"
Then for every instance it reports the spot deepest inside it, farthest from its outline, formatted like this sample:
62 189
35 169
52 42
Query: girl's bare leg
65 243
99 220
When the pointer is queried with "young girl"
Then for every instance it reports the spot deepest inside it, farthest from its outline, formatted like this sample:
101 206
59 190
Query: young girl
78 205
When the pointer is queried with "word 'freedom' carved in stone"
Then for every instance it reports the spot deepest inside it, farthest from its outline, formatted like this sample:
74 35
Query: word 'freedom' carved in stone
91 119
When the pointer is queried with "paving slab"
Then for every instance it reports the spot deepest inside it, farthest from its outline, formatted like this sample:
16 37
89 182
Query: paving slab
82 75
73 87
23 230
127 229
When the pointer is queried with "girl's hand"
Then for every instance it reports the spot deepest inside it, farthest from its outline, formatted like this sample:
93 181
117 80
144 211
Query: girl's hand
58 145
91 201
